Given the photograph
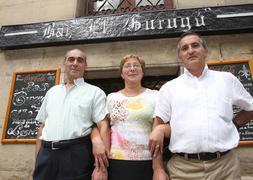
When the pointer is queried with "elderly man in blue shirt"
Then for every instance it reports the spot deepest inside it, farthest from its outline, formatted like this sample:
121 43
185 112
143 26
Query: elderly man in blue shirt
67 114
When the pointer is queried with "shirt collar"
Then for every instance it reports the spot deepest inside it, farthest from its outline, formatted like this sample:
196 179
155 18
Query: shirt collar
77 82
204 72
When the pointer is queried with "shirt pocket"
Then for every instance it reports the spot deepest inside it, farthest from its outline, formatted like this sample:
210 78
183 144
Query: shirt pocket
80 109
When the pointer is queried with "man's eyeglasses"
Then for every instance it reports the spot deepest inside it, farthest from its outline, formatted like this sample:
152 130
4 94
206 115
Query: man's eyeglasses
129 66
72 59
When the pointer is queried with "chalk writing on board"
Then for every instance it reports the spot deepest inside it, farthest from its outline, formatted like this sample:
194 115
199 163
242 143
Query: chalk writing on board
28 91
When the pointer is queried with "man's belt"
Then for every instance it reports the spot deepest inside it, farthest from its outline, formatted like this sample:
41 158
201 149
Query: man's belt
204 156
56 145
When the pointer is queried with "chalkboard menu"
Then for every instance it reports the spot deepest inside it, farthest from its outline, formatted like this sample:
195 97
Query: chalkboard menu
243 70
26 95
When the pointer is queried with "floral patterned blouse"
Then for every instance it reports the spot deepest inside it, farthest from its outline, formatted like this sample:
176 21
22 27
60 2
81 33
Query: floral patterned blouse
131 120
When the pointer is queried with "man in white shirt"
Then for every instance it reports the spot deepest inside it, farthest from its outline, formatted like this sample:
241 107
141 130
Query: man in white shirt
198 107
67 114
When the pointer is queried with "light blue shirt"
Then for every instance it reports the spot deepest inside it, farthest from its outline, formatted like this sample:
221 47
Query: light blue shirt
70 113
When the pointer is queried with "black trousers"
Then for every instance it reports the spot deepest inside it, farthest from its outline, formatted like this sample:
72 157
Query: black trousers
130 170
75 162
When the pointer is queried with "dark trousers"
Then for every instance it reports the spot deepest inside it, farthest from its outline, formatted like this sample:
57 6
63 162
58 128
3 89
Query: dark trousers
71 163
130 170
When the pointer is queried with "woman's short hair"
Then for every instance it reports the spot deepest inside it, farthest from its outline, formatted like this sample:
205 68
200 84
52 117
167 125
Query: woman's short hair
131 56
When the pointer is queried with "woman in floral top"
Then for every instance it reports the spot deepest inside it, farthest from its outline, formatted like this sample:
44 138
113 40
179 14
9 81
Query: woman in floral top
131 119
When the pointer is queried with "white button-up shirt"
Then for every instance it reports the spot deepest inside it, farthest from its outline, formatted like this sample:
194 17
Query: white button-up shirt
70 113
200 111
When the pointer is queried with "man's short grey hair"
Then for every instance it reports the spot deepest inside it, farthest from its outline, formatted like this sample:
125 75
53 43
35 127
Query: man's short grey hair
85 58
189 33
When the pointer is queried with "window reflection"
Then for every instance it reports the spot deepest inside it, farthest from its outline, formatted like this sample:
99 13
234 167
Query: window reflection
149 2
106 4
102 7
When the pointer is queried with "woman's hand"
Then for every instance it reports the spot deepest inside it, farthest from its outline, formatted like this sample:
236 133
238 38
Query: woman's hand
99 174
160 174
100 153
156 140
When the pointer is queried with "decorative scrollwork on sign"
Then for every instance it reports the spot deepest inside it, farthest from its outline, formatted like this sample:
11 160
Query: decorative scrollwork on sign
54 31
